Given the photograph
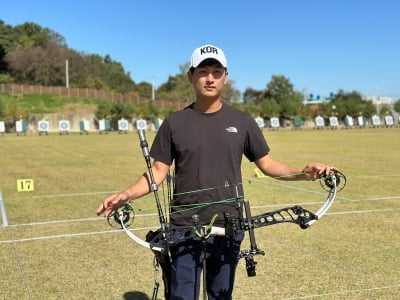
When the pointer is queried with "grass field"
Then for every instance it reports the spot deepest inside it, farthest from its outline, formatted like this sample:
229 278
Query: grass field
56 248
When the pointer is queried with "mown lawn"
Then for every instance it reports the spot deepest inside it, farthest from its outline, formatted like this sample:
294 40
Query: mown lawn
55 247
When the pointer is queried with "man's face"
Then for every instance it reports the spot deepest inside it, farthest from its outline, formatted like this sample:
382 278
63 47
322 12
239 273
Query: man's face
208 81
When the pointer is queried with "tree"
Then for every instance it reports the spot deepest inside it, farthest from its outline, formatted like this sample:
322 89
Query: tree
396 106
2 109
164 90
368 109
77 68
103 110
32 54
281 90
252 108
31 34
347 103
115 77
122 110
144 89
385 110
270 108
252 95
351 104
6 38
229 93
41 65
178 87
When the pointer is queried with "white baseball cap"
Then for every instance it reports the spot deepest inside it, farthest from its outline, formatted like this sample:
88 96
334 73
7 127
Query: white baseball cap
205 52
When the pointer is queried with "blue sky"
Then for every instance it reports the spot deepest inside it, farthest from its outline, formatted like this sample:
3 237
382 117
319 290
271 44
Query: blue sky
321 46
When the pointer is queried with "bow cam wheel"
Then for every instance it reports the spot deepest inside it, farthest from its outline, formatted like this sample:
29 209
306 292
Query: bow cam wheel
124 214
328 181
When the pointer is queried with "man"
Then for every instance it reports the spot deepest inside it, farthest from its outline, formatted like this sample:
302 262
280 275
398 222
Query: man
206 141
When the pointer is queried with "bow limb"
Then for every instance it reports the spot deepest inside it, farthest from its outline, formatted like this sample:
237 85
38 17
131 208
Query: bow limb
328 203
135 237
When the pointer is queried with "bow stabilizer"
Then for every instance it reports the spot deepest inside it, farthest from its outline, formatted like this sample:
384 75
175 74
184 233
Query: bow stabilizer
332 183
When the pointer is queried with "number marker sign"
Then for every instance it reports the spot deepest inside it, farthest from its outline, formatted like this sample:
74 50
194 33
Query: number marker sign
25 185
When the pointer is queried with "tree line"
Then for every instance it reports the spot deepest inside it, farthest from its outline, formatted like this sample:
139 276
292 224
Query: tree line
31 54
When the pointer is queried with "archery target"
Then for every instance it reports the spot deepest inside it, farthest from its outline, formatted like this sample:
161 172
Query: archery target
141 125
349 121
361 121
260 122
333 121
275 122
63 125
389 120
102 125
2 127
376 121
319 121
157 123
86 125
18 126
43 126
122 125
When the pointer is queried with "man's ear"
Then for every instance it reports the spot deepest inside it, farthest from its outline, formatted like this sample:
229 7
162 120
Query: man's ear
226 77
189 76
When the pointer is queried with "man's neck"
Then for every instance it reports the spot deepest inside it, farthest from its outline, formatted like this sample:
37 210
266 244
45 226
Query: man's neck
208 107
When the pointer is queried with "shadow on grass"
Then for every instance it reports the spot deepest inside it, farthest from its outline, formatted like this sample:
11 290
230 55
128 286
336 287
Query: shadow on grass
135 296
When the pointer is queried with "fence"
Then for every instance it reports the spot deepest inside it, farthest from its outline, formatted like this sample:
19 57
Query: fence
87 93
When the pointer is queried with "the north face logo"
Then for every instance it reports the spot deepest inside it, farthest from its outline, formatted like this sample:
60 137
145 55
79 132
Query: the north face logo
208 49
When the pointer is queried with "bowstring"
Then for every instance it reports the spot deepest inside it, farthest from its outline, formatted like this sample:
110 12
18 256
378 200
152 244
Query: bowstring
187 207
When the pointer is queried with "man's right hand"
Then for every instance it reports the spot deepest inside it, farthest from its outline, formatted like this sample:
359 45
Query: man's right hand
112 202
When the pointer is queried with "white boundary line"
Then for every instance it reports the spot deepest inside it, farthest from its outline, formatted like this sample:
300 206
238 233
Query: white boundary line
155 227
72 235
74 220
64 195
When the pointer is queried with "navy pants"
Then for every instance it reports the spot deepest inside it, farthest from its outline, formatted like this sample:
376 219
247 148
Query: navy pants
221 262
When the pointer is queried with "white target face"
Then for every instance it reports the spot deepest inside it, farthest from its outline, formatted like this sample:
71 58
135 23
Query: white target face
389 120
63 125
376 121
319 121
43 126
349 121
333 121
361 121
86 125
122 125
102 125
2 127
157 123
274 122
18 126
141 125
260 122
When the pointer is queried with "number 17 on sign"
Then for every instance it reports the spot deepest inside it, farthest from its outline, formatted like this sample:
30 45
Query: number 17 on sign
25 185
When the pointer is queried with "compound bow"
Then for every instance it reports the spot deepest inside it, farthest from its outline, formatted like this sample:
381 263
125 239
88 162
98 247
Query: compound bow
163 238
123 216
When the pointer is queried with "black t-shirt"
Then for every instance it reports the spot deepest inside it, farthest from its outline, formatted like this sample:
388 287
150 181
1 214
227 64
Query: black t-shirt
207 150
